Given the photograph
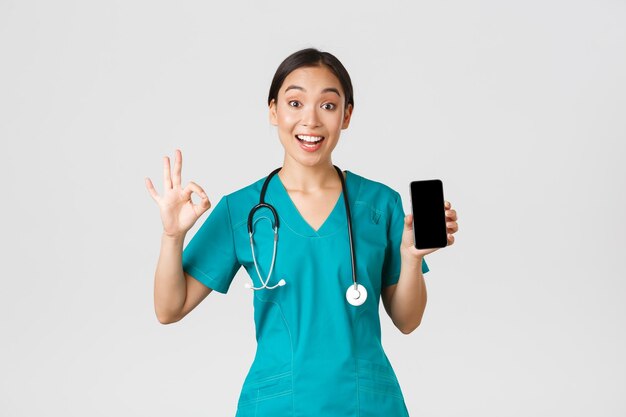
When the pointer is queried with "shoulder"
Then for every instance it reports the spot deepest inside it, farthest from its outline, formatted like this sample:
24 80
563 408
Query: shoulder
375 194
241 201
371 190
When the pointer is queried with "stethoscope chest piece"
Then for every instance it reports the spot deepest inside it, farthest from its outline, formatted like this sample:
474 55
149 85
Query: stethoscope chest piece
356 296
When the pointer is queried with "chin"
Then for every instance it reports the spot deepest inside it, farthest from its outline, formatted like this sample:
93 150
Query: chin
309 162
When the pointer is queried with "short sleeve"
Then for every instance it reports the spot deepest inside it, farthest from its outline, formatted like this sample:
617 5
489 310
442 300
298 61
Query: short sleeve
210 256
393 262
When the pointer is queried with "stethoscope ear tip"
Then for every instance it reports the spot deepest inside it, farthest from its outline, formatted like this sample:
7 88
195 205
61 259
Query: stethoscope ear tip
281 282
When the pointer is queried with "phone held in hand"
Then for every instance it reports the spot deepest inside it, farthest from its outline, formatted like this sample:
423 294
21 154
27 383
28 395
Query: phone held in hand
429 216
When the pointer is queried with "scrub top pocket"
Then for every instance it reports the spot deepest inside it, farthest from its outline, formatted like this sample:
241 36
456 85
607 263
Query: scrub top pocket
379 391
269 396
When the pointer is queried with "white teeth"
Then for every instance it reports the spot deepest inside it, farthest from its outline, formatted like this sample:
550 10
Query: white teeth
311 139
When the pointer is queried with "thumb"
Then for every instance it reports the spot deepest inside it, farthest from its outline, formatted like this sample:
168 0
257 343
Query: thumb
408 222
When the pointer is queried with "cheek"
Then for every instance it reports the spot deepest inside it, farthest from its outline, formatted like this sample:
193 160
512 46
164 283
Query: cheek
333 121
286 119
286 126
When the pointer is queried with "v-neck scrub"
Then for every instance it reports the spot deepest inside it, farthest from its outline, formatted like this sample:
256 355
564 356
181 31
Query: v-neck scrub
317 355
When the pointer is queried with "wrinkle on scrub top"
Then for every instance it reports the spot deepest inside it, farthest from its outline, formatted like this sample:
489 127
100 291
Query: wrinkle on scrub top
317 355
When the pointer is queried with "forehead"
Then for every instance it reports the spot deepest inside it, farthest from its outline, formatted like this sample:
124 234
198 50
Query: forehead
312 79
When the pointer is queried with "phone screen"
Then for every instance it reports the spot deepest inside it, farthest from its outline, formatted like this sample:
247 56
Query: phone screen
429 216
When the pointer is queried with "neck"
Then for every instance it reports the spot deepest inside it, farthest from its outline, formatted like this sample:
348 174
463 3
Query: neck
296 176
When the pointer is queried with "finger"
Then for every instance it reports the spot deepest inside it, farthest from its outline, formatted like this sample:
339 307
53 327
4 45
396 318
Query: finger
446 204
452 227
204 199
167 179
151 189
451 215
178 163
450 240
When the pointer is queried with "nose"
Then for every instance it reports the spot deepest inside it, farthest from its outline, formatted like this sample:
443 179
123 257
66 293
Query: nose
310 117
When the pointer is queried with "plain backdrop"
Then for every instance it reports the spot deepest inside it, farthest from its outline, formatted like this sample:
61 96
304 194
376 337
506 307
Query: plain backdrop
518 107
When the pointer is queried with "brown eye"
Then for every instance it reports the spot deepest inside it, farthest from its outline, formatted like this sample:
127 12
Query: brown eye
329 106
294 101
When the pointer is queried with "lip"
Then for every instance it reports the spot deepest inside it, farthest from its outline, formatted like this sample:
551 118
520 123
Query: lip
310 134
308 148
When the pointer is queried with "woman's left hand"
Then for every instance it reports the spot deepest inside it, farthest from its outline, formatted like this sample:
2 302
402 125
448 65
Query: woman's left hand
407 247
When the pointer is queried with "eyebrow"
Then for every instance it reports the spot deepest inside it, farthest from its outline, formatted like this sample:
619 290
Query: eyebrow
326 90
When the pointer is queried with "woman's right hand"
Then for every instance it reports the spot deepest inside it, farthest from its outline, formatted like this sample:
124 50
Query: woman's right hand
178 213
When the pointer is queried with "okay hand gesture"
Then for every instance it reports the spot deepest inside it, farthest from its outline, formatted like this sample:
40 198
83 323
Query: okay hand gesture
178 213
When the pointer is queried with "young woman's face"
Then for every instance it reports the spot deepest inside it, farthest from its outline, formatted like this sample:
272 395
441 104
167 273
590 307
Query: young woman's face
310 114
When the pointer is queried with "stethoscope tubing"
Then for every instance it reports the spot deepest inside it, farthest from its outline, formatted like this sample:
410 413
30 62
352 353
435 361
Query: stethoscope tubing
345 201
353 295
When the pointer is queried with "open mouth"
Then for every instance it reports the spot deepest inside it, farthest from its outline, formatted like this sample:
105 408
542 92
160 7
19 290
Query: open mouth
310 141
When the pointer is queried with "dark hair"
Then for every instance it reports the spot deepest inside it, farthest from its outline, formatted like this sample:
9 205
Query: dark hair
311 57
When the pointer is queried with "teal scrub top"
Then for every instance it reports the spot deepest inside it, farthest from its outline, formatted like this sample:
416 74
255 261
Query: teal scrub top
317 355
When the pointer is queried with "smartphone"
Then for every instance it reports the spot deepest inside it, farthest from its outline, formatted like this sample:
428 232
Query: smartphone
429 215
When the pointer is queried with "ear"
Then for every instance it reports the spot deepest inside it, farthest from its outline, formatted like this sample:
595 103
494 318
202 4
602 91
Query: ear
346 117
273 116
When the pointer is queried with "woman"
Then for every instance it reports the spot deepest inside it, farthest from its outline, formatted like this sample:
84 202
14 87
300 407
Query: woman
319 349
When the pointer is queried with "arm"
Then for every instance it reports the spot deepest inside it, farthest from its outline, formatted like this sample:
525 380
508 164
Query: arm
176 293
405 301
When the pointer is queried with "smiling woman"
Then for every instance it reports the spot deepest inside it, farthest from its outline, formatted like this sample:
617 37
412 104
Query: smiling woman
310 110
333 94
316 353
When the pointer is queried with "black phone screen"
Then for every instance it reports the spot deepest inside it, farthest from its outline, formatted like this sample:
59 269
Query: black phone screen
429 216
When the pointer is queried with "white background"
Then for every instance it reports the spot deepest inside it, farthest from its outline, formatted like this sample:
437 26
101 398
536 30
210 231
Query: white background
517 106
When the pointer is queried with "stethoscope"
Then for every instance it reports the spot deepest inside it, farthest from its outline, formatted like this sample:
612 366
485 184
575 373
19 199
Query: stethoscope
356 294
